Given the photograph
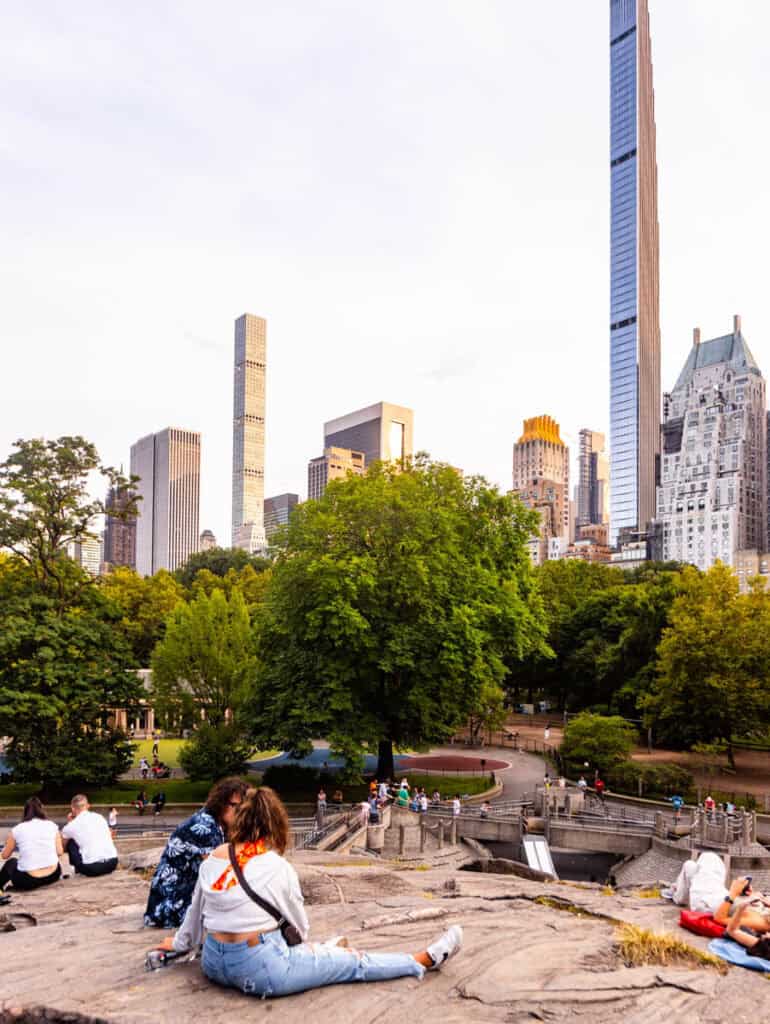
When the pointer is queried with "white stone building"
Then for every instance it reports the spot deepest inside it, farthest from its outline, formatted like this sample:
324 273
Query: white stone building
711 502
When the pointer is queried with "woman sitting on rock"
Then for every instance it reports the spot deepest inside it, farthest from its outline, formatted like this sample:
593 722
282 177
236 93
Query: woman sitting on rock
172 885
38 843
245 947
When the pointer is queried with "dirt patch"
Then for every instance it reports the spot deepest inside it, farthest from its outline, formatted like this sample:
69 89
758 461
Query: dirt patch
452 762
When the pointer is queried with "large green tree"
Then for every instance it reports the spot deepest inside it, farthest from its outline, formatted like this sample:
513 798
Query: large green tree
64 663
207 653
393 611
45 503
144 604
713 679
598 741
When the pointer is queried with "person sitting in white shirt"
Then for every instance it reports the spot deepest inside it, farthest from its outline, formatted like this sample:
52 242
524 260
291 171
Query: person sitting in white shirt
88 840
245 947
39 847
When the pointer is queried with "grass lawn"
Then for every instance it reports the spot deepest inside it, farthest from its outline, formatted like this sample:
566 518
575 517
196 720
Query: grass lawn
168 752
177 791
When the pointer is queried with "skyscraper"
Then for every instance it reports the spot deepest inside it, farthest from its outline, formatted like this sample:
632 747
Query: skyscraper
334 464
541 481
593 490
382 431
713 493
249 433
169 467
634 291
119 534
277 512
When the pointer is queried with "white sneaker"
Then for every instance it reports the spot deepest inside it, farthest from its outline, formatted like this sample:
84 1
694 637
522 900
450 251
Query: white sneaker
445 946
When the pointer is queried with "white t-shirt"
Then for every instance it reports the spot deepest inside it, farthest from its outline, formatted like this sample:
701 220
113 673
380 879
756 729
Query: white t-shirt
92 834
36 842
455 806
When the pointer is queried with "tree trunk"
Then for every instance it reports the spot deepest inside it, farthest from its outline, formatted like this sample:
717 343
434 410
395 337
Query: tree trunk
385 766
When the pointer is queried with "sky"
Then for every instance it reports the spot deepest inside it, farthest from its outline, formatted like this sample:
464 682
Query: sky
415 196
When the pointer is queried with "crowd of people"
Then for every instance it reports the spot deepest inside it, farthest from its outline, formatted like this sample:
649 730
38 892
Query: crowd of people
32 850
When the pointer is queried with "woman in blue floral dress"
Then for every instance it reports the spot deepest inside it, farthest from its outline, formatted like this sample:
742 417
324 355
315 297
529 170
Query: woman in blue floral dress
174 880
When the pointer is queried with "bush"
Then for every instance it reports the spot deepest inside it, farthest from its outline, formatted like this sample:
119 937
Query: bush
291 778
599 740
660 780
214 752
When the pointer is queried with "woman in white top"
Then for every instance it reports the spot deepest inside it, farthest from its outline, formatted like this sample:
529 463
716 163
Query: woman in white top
245 948
38 844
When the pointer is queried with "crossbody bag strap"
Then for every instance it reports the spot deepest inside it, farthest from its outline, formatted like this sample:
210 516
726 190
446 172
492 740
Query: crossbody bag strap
249 891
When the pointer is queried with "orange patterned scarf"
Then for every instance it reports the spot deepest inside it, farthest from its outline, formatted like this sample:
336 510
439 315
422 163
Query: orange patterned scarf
243 856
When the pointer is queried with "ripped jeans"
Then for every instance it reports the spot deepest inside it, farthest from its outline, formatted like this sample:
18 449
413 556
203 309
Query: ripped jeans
271 968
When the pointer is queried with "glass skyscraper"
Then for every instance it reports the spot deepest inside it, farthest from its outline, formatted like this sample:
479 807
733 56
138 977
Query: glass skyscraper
634 289
249 433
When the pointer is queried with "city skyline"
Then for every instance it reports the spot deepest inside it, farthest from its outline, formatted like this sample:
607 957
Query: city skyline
387 259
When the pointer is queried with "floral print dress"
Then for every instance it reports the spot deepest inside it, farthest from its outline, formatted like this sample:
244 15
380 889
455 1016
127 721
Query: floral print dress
174 880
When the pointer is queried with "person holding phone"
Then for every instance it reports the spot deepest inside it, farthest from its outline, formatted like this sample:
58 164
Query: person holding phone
755 908
249 902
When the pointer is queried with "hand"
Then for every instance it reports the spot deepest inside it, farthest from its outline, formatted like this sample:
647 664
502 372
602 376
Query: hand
167 945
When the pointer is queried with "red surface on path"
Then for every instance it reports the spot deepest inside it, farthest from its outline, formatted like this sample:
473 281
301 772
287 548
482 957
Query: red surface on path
453 762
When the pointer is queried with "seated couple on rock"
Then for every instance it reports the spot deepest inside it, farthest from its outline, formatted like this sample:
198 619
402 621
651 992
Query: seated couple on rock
247 894
701 886
38 844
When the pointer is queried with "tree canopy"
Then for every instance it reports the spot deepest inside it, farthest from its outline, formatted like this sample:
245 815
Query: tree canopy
144 604
394 609
219 561
598 741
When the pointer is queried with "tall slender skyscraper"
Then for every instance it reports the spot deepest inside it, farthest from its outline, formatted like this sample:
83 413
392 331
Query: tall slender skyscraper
168 465
249 433
634 289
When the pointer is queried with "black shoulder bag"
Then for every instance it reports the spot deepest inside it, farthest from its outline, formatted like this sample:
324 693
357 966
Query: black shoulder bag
290 934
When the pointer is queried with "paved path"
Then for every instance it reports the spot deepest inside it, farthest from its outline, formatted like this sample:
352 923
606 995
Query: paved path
525 772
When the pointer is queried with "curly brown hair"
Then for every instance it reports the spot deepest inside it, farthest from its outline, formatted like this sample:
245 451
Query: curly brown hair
262 815
222 792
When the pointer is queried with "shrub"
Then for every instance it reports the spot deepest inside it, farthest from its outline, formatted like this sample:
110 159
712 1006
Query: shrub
214 752
599 740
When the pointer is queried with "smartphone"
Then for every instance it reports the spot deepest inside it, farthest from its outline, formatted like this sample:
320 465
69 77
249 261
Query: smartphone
747 886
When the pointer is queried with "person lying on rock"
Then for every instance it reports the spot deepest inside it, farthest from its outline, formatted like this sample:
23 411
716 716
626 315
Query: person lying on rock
37 842
744 916
260 945
701 883
173 883
755 908
88 840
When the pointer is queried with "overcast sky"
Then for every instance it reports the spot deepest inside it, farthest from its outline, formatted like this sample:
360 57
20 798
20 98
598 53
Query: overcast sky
415 196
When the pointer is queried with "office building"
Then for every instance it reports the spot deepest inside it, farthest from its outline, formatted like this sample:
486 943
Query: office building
634 274
541 482
168 465
277 512
248 529
712 499
87 553
207 541
593 489
382 431
119 533
334 464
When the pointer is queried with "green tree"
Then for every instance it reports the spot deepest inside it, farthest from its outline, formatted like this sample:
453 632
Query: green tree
252 584
63 671
207 652
713 679
45 505
601 741
218 561
393 611
215 752
144 604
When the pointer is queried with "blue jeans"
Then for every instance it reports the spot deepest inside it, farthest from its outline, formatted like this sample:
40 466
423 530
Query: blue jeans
271 968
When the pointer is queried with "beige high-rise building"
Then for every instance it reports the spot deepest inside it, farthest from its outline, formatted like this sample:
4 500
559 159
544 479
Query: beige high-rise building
248 530
167 529
381 431
541 481
334 464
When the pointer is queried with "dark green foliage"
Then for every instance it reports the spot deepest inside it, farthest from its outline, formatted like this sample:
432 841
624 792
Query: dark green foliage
62 669
215 752
218 561
658 780
293 778
394 611
602 742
